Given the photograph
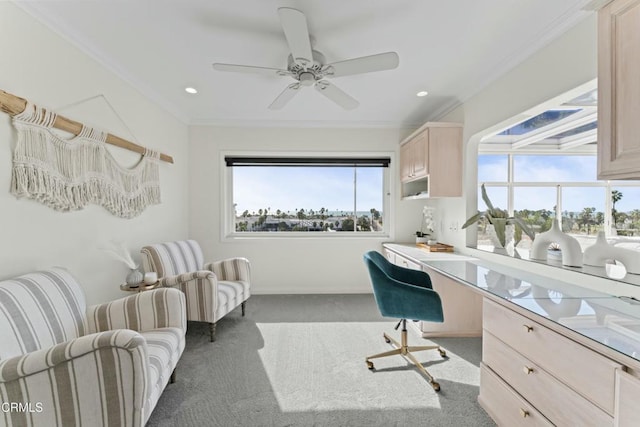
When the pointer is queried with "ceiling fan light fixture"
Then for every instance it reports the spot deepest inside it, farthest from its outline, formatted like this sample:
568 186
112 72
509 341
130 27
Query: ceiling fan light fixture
422 93
191 90
307 78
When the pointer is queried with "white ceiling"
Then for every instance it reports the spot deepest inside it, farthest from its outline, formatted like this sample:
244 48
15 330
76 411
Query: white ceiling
450 48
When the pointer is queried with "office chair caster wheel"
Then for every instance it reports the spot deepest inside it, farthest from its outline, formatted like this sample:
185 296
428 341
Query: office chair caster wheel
443 353
387 340
370 365
435 386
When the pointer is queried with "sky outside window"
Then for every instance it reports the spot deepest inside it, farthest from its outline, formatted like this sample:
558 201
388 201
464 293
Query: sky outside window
293 188
554 168
492 167
497 196
534 198
539 121
575 199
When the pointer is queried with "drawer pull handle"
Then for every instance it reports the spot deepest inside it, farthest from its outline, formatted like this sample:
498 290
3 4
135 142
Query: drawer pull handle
524 413
527 370
528 328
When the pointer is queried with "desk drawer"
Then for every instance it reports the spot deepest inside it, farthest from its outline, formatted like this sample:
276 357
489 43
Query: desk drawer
589 373
504 405
627 391
561 405
404 262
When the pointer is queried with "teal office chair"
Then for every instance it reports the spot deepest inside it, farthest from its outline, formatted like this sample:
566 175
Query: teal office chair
405 294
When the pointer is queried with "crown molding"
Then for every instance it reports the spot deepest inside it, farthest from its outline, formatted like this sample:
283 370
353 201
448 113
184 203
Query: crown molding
328 124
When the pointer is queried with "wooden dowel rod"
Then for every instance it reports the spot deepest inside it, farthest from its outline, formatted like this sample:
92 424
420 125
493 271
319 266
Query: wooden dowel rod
13 105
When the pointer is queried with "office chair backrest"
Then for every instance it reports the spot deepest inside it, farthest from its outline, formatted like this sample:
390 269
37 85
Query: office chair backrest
401 292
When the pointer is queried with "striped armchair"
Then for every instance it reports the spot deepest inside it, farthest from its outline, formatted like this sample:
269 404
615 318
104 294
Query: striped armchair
65 364
212 290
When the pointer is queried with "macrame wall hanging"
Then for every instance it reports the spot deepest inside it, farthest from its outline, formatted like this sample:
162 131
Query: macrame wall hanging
69 174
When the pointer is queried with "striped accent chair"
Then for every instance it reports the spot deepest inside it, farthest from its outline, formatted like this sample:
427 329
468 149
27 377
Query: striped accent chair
212 290
65 364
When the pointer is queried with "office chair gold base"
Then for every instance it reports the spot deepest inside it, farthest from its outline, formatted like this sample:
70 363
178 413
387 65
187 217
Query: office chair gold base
405 351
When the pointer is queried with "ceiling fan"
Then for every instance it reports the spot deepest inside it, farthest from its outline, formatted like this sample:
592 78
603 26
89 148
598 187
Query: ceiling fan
308 67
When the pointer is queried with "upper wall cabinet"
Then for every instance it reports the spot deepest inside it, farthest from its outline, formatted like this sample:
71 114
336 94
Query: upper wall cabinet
619 90
431 161
413 157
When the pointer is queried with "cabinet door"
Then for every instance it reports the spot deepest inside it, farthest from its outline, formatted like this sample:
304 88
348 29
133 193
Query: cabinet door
619 90
420 148
445 162
406 162
627 392
461 306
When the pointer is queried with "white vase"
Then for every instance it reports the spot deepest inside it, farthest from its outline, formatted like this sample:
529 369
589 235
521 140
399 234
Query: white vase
601 251
571 250
509 232
135 277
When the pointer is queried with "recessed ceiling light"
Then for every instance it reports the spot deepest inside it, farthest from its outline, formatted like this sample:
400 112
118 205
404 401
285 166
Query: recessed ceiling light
422 93
190 90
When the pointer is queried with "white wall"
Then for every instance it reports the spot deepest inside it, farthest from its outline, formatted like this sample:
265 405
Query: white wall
44 68
291 265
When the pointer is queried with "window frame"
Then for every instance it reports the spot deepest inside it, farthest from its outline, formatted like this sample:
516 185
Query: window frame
511 185
227 214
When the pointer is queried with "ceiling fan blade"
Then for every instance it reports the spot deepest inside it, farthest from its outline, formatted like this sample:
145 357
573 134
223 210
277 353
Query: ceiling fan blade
251 69
364 64
336 95
285 96
294 25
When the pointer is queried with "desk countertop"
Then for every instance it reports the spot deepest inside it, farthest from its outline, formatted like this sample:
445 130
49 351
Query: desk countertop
609 320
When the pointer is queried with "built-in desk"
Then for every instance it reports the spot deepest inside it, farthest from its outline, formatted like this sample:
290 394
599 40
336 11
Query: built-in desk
553 352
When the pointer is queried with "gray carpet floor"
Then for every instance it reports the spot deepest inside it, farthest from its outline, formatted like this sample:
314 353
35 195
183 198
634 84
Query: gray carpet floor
298 360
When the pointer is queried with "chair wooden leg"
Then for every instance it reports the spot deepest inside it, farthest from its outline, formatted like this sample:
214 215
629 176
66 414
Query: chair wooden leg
212 331
243 305
172 379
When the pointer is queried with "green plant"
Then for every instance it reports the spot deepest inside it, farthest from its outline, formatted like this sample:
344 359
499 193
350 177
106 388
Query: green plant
500 218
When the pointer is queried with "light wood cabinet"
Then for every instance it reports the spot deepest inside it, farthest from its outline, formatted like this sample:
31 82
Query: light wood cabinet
544 391
413 157
431 161
566 382
504 405
461 307
627 392
619 90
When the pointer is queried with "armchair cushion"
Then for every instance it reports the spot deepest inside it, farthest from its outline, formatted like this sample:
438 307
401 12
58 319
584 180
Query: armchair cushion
163 346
